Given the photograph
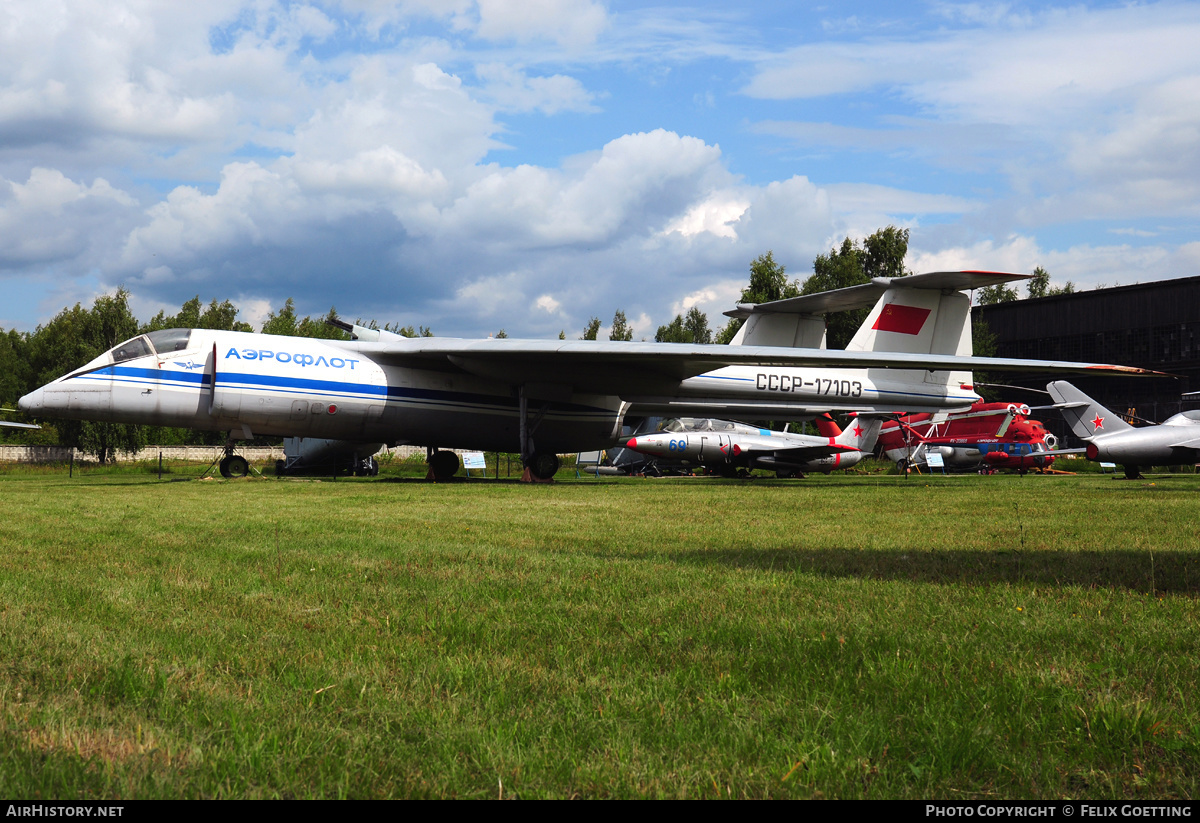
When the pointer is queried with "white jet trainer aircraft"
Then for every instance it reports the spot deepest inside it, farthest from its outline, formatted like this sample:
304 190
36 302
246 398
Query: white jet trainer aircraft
542 397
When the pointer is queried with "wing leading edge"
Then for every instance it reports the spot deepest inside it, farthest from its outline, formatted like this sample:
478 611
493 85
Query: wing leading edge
605 367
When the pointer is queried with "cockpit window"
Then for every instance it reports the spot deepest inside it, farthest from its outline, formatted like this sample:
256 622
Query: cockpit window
1187 418
169 340
137 347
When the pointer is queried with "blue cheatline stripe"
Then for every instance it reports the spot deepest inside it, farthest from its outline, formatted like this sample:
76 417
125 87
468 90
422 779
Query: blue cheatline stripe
722 377
339 390
299 385
151 374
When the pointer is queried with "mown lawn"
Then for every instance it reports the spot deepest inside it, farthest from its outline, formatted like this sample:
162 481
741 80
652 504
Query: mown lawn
960 637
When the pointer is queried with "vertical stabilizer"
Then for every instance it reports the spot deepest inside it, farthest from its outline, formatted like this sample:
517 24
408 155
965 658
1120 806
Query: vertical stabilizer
861 433
800 331
1085 416
917 321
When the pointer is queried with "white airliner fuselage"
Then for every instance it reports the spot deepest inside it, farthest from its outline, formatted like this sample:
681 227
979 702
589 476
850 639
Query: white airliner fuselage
301 387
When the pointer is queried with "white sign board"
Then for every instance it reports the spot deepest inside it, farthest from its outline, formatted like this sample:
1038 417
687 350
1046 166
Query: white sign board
935 461
473 460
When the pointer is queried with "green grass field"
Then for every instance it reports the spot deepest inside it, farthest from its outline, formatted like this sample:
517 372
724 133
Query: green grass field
849 636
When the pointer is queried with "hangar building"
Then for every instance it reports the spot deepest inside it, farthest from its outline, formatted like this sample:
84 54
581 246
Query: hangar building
1152 325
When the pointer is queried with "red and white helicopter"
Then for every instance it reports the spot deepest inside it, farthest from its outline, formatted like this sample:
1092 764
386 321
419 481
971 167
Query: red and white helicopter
988 436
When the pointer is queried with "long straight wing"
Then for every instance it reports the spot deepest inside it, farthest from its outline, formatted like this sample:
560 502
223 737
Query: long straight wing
606 367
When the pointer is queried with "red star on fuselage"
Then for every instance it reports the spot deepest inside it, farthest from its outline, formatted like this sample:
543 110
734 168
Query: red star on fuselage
857 430
1098 423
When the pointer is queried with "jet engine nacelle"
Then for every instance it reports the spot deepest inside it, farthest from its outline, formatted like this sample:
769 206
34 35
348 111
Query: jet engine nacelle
314 454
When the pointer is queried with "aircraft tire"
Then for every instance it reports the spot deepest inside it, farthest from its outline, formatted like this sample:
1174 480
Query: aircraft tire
234 466
444 465
280 468
901 466
785 474
543 465
1132 472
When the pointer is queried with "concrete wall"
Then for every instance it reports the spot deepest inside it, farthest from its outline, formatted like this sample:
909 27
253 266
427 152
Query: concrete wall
198 454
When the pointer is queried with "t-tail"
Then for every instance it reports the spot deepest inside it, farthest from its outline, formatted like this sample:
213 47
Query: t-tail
1085 416
917 314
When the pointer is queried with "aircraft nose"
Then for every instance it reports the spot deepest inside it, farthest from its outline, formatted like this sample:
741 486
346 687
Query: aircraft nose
32 403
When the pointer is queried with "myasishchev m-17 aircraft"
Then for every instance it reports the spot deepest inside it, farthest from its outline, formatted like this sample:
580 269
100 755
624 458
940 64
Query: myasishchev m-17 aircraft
543 397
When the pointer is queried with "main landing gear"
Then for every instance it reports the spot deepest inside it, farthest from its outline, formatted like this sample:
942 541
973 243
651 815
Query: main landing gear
540 466
232 465
442 465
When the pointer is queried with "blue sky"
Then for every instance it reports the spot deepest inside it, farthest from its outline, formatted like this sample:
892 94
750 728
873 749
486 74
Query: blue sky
474 165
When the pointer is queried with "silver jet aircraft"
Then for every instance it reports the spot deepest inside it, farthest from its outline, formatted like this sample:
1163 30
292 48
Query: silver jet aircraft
727 446
1111 440
539 397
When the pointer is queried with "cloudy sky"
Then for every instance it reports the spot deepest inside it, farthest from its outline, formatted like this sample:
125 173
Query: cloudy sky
473 165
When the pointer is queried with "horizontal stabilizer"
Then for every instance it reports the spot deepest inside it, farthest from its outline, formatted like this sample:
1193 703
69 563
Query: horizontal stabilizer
866 295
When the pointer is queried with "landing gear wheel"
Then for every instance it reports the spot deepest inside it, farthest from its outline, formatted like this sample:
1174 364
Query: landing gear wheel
901 466
543 465
280 468
1132 473
234 466
367 467
785 474
443 465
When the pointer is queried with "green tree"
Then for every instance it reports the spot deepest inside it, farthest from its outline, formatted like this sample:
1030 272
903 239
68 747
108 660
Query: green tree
321 329
406 331
999 293
500 335
692 329
696 324
286 323
983 344
1040 284
884 252
880 255
283 323
219 316
673 332
15 376
620 328
768 281
591 329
